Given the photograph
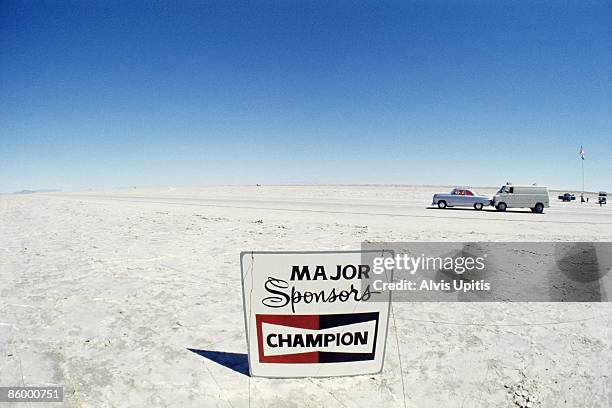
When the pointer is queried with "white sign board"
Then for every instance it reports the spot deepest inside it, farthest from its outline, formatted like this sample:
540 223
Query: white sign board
311 314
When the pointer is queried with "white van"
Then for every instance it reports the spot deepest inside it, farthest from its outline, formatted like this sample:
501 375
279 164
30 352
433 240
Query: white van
509 196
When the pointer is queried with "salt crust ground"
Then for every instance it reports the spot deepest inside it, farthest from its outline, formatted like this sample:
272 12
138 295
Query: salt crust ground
103 292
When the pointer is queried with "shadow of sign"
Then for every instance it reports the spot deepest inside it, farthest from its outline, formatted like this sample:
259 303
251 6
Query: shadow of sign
238 362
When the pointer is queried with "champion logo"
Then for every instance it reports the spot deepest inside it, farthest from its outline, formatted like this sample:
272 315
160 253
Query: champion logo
330 338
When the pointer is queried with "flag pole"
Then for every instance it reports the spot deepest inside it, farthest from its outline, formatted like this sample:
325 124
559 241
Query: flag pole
582 160
582 176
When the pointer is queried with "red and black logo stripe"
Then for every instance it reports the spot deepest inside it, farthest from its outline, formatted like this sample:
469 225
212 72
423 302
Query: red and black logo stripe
315 323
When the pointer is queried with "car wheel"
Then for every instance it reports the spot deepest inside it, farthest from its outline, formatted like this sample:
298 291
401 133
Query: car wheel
441 204
501 207
539 208
478 206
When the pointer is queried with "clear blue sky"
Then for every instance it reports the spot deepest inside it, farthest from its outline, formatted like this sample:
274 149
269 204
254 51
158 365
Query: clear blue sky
102 93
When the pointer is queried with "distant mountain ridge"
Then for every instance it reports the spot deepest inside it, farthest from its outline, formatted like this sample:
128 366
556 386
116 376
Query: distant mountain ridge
37 191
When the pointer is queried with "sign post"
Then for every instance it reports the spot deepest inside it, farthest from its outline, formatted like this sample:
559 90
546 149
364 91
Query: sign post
313 314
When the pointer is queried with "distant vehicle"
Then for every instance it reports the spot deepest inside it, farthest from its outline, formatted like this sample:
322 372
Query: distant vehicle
461 197
567 197
534 197
603 198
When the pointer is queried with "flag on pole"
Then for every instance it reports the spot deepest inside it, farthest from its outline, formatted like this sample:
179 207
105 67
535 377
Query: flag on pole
581 152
